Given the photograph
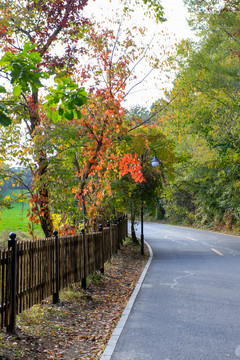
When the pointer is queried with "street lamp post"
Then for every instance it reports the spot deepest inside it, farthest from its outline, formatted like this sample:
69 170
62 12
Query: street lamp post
155 162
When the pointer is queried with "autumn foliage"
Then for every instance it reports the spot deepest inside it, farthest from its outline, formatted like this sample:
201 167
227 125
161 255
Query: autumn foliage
66 136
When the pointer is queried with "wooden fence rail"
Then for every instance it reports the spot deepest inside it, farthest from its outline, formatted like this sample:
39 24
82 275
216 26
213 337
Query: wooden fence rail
32 271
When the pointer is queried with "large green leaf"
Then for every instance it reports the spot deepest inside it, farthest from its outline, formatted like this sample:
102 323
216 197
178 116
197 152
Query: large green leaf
17 90
2 90
4 119
66 98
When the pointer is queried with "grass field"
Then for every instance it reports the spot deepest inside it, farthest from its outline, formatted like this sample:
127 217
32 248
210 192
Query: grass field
16 220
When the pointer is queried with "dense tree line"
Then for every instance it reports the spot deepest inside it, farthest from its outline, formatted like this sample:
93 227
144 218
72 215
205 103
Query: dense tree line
204 120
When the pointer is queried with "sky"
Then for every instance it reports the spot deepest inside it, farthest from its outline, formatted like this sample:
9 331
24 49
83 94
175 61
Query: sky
177 14
174 29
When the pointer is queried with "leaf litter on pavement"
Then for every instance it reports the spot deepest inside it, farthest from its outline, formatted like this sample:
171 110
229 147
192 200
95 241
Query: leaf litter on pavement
80 325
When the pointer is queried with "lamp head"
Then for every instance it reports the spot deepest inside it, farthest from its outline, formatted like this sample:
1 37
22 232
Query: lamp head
155 162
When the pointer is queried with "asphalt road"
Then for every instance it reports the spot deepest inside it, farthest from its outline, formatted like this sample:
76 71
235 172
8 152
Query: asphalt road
189 305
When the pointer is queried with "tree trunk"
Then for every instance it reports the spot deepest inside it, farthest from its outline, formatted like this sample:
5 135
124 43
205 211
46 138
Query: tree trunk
85 219
45 214
44 208
133 233
42 165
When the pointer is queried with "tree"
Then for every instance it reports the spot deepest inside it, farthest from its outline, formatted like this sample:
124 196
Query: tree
104 122
204 120
25 79
126 194
30 36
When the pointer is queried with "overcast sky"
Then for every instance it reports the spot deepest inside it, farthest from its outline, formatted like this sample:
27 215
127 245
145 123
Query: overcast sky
176 14
176 27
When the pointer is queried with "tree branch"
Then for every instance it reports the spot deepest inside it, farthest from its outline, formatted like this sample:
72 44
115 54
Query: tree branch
138 83
134 67
22 30
56 31
231 97
154 114
113 51
50 40
17 178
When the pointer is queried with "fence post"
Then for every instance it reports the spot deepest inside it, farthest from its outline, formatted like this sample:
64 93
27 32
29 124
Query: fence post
84 279
103 250
121 229
126 225
110 237
12 311
117 222
56 294
116 235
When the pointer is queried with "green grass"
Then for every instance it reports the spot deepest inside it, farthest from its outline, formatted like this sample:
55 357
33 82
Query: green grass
16 220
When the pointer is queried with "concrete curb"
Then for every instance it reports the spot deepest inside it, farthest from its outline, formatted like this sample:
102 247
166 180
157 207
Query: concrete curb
107 354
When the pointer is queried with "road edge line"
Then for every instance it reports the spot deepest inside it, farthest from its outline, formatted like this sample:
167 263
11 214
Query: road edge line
107 354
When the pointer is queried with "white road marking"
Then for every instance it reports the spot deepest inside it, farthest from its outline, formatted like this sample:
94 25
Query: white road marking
217 252
188 274
188 237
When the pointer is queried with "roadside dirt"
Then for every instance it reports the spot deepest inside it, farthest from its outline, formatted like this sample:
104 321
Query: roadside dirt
81 324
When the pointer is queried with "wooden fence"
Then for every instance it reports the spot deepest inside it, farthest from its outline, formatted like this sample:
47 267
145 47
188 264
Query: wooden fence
32 271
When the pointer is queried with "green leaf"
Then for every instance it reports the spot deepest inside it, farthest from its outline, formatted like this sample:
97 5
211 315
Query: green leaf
55 117
79 114
69 115
2 90
29 46
4 119
15 74
60 111
49 113
35 57
70 105
17 90
66 97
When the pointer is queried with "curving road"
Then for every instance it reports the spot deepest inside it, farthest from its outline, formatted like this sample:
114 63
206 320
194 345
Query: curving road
189 305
